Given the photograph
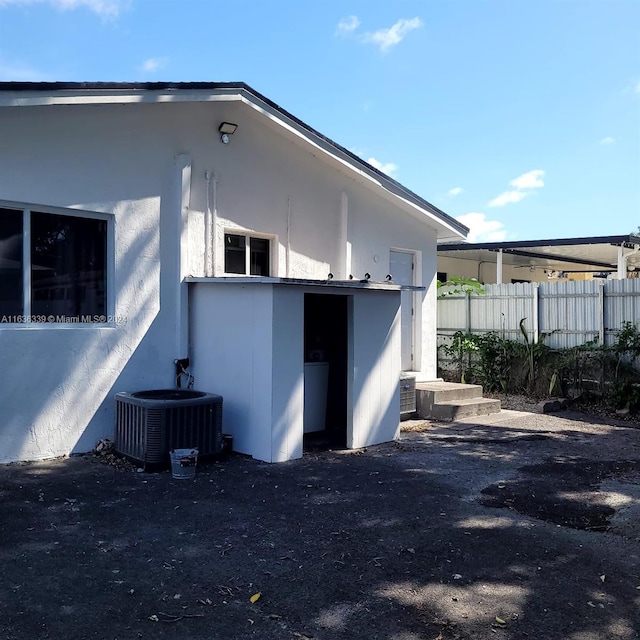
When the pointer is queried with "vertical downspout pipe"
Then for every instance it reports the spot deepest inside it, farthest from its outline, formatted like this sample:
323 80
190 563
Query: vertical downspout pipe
345 246
287 254
183 167
208 230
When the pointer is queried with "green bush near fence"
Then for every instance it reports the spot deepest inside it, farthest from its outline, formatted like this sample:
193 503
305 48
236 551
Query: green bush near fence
609 373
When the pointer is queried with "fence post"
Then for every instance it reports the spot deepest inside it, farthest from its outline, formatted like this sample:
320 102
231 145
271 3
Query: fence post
468 307
536 312
601 334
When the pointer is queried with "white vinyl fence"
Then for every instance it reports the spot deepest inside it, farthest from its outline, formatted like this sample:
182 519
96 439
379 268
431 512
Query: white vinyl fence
575 311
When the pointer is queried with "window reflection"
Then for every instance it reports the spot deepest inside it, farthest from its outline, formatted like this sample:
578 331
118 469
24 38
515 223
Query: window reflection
68 260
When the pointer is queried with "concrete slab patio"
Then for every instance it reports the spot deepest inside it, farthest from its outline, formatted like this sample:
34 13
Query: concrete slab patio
509 526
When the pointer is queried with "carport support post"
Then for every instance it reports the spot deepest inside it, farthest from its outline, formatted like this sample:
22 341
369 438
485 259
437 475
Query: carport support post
499 267
622 264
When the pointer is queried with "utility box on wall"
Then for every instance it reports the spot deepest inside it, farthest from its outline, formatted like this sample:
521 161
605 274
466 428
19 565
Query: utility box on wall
407 394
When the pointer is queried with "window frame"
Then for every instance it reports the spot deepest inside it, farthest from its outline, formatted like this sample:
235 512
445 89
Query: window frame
248 236
27 209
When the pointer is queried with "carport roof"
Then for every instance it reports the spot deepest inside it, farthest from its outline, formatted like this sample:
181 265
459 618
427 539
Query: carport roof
561 254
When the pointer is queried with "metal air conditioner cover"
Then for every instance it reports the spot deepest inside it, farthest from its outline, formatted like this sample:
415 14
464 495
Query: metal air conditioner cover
151 423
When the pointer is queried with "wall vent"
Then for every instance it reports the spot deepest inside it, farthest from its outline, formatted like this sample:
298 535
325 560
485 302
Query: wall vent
149 424
407 394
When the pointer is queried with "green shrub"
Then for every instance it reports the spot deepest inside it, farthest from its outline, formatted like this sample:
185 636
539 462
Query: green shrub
530 366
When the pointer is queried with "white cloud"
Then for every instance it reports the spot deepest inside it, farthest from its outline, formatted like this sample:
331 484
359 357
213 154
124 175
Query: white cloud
508 197
456 191
347 25
607 140
153 64
529 180
383 38
481 229
389 168
387 38
104 8
523 184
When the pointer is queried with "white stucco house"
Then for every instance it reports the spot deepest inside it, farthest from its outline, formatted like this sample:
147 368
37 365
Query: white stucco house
145 223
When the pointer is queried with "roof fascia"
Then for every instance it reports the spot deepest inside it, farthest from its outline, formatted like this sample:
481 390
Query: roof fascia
556 242
35 98
551 257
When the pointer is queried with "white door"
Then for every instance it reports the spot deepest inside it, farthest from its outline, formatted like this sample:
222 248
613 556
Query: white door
401 269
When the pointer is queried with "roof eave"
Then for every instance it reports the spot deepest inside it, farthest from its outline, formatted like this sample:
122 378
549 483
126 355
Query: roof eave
20 94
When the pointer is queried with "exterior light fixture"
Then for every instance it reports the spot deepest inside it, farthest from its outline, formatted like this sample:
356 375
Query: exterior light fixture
226 129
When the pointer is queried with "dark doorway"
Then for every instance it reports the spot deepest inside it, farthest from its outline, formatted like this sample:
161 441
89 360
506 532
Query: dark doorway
326 342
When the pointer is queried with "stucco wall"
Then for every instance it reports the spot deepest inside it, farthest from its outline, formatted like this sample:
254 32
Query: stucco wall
56 396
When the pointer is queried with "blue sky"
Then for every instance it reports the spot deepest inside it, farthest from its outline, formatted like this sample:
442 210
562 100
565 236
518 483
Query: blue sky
520 118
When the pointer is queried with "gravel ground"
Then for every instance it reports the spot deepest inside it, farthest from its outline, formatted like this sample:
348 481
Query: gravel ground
512 526
593 411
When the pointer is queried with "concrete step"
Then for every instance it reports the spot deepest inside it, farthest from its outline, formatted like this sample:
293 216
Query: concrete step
465 408
448 391
429 394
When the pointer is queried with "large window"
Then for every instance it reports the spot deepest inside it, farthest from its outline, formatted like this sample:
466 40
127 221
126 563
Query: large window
53 267
246 255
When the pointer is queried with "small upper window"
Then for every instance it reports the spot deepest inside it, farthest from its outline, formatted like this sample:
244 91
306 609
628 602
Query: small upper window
246 255
66 259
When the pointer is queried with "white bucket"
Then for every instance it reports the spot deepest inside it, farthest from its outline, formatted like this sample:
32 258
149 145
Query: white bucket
183 463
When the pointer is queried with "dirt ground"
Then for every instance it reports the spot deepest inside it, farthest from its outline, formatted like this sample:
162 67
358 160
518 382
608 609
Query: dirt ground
512 527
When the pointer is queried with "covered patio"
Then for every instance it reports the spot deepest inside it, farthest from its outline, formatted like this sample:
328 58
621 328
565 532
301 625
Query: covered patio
539 260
